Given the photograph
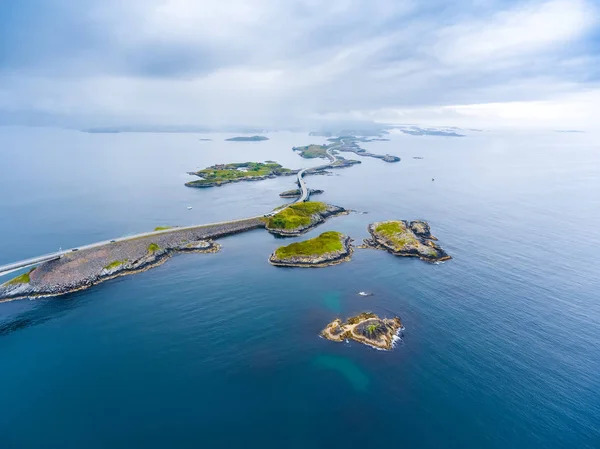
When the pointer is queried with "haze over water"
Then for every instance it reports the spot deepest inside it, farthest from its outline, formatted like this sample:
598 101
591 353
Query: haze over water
502 343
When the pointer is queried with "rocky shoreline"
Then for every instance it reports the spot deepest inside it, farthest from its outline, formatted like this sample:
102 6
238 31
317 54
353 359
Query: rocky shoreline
366 328
316 260
83 269
406 239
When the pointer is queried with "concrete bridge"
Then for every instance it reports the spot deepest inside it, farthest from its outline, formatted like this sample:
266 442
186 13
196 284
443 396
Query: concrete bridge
16 266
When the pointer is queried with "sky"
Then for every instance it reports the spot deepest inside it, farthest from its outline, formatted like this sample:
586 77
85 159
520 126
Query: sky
278 63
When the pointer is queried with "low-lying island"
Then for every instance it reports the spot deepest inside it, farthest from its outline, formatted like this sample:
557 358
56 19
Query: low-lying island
330 248
366 328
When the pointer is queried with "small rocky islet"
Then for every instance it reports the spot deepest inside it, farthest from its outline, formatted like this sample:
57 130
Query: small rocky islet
407 239
366 328
296 193
329 248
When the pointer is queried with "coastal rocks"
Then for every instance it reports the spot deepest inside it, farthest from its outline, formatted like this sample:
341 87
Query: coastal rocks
366 328
300 218
330 248
404 238
297 193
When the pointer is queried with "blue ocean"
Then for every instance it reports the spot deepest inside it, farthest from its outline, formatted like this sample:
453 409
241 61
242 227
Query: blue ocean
501 347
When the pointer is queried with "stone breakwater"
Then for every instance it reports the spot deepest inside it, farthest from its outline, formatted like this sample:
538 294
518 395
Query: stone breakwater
316 261
82 269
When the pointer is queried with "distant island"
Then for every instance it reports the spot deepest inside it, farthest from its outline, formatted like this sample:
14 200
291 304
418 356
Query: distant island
247 139
403 238
301 217
222 174
366 328
330 248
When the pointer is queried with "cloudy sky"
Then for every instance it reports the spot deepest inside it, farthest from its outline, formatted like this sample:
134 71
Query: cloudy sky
287 62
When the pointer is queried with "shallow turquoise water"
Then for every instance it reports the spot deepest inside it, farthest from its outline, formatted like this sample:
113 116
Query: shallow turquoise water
501 348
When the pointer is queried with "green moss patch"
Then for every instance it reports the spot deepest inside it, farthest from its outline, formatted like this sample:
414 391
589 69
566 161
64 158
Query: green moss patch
153 247
297 215
114 264
397 233
21 279
327 242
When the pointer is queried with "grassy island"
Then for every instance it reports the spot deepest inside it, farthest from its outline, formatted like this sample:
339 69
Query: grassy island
329 248
312 151
243 171
162 228
325 243
297 215
404 238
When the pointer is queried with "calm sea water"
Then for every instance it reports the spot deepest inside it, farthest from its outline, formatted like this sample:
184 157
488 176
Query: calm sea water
501 348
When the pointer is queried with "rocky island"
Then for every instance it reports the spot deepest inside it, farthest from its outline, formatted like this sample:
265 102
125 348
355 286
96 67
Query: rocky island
350 144
301 217
330 248
366 328
296 193
247 139
404 238
222 174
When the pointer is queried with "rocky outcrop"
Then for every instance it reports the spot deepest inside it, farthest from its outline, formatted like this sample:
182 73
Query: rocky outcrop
315 260
404 238
366 328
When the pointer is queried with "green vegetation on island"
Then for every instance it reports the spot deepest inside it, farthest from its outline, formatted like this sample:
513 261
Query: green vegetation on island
247 139
312 151
296 216
330 248
162 228
153 247
404 238
325 243
397 232
114 264
244 171
21 279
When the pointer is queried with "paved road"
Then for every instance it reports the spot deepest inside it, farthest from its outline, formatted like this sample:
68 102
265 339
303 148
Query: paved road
9 268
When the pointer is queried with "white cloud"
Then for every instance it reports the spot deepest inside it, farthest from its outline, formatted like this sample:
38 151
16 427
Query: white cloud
269 62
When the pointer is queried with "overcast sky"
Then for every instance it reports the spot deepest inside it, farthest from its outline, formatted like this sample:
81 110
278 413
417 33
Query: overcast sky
283 62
